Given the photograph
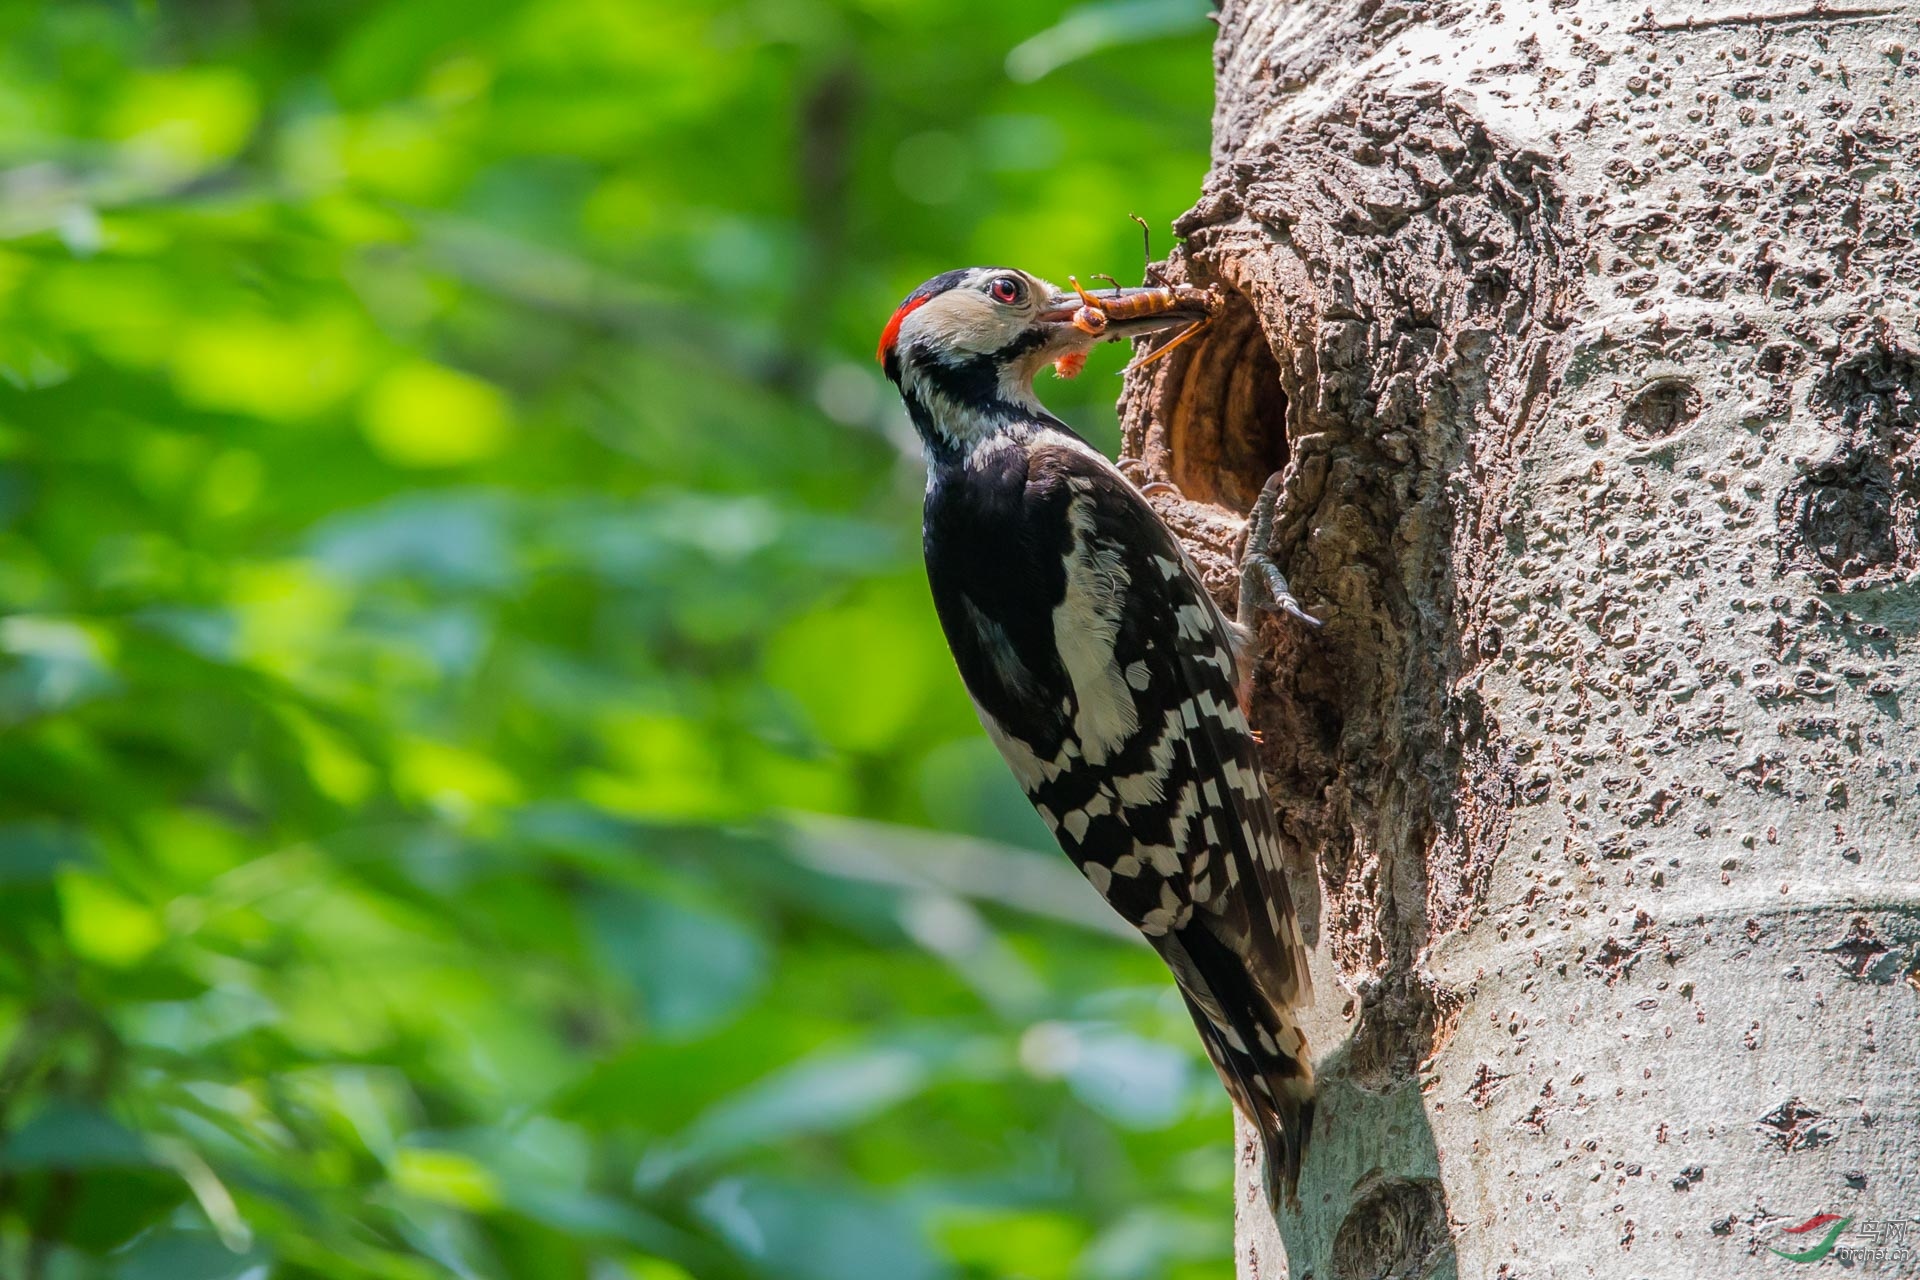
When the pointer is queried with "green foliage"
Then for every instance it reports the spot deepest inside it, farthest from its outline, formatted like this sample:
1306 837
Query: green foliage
481 791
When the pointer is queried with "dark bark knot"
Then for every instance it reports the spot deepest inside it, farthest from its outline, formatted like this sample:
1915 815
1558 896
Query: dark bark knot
1853 518
1865 956
1661 408
1795 1126
1396 1230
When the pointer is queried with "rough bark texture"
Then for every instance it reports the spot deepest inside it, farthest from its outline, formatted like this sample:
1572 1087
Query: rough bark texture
1586 335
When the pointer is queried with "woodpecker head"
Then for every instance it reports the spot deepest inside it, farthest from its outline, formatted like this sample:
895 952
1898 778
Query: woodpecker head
964 348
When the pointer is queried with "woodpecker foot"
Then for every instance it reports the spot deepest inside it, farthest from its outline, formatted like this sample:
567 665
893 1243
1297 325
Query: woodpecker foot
1262 585
1136 471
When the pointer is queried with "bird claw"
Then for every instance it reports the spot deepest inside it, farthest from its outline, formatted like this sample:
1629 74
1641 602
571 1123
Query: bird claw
1144 480
1262 585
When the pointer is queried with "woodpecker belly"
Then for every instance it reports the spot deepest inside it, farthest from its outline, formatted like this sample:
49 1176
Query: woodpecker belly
1107 677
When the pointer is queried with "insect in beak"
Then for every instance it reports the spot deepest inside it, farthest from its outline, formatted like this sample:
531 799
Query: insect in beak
1112 314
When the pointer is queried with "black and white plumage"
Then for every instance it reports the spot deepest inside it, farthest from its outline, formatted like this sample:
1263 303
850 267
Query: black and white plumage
1106 676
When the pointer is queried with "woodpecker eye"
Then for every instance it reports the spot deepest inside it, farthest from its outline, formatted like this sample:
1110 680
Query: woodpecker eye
1006 289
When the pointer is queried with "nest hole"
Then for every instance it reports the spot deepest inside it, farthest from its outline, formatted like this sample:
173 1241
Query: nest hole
1227 429
1396 1230
1854 519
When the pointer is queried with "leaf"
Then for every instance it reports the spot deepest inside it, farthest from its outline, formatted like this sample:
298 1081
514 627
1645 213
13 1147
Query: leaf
421 414
57 664
816 1233
180 122
105 1207
32 852
189 1255
1094 28
455 539
68 1135
1034 1244
105 925
1036 883
446 1177
858 705
692 967
829 1092
1139 1083
196 1025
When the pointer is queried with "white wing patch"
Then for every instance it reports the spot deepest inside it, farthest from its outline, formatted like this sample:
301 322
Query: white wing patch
1085 623
1028 768
1196 624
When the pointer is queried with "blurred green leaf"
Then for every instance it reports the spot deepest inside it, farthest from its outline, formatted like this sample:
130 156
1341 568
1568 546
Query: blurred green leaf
33 851
1092 28
188 1256
813 1233
692 967
64 1135
826 1093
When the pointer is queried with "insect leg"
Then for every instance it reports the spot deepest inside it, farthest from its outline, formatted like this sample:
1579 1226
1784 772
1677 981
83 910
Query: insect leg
1151 356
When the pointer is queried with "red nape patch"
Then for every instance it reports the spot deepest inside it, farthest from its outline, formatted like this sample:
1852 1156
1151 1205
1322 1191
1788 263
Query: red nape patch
891 334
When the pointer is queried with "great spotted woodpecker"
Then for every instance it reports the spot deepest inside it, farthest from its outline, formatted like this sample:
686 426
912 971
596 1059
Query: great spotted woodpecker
1104 672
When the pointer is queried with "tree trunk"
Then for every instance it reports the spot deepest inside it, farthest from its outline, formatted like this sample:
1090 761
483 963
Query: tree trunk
1586 337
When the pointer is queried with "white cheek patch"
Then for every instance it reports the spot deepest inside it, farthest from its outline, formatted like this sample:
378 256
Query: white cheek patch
963 321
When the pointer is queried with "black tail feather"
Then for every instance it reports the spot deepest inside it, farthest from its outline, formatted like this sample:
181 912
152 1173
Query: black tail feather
1255 1047
1283 1147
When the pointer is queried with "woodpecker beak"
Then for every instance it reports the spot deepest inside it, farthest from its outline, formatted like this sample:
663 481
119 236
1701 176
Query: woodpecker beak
1157 310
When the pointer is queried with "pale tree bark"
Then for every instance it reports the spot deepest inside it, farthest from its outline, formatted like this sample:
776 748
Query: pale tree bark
1586 337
